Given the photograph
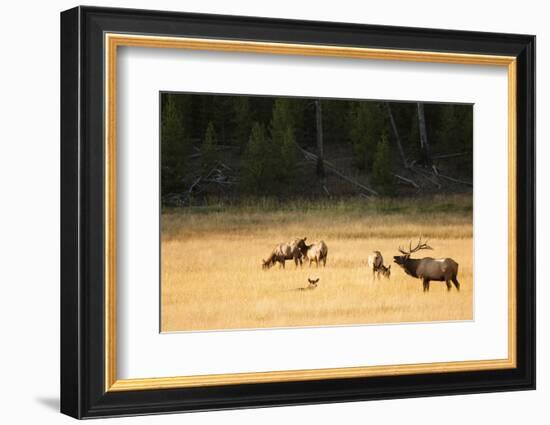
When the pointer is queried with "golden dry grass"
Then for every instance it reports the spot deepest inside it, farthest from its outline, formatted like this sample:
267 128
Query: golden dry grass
212 277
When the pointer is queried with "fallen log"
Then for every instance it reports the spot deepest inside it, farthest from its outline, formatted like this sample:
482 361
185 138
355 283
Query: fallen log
451 179
426 176
406 180
451 155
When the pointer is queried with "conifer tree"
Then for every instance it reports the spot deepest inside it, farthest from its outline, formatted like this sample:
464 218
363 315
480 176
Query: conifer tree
289 154
209 155
243 121
283 142
366 128
256 170
382 166
175 147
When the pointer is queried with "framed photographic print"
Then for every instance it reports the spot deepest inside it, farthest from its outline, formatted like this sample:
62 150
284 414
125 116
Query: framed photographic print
261 212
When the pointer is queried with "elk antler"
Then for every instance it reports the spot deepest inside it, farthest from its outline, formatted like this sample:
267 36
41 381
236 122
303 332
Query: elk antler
402 251
420 245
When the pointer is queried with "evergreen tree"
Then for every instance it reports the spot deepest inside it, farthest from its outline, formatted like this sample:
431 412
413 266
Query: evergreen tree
283 142
281 118
466 131
222 115
367 124
297 109
175 147
209 155
289 154
256 167
335 114
262 108
454 135
243 121
382 166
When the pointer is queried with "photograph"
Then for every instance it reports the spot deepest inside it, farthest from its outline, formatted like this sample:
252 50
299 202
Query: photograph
282 212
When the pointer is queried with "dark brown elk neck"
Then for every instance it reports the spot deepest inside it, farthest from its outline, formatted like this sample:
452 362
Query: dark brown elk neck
411 266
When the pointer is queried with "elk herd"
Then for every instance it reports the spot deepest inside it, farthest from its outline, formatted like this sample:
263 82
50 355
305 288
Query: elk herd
298 251
426 269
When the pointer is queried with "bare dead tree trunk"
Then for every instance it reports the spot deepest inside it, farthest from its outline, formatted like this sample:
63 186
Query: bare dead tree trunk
424 146
396 136
320 153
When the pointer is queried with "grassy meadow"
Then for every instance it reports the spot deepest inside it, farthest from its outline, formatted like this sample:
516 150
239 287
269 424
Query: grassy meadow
211 274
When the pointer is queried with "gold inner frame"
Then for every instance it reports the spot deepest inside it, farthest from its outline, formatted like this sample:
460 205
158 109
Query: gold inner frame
113 41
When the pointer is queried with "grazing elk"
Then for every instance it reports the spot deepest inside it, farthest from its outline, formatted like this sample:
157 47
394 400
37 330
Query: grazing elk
286 251
274 257
317 252
376 264
428 269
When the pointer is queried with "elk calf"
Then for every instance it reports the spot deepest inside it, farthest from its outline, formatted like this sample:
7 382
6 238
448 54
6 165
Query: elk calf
312 284
376 264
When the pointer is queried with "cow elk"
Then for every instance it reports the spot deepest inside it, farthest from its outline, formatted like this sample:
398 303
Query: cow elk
427 268
286 251
316 252
376 264
273 258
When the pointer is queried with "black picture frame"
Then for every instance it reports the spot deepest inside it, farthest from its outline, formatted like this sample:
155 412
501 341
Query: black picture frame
83 392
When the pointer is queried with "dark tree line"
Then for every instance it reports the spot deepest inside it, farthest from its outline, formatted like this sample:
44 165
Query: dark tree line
265 139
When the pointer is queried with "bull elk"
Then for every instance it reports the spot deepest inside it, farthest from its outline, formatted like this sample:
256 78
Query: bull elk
427 268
